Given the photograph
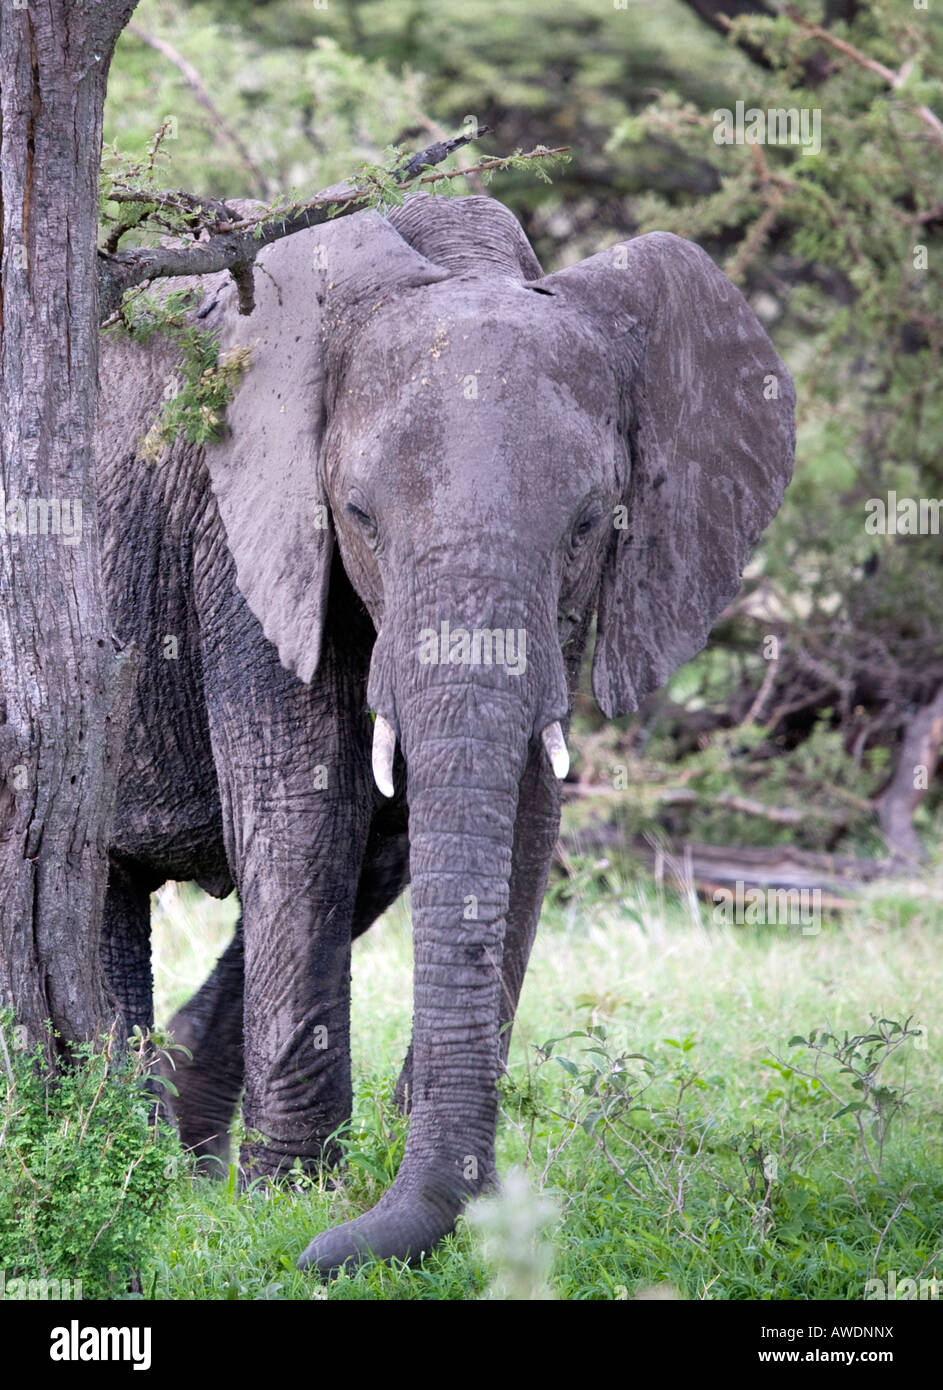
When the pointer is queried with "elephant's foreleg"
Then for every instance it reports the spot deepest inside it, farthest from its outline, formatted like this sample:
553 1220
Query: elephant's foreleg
209 1084
298 914
297 797
210 1024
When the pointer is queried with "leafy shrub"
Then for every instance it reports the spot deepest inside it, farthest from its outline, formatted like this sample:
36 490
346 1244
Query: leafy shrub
206 379
84 1169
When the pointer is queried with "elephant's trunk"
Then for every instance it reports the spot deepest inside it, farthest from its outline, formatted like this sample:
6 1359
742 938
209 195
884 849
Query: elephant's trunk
466 730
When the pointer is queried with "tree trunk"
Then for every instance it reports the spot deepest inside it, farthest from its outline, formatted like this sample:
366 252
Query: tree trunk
917 757
65 685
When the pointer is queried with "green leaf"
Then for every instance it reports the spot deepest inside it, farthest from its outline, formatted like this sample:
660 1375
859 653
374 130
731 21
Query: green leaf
567 1065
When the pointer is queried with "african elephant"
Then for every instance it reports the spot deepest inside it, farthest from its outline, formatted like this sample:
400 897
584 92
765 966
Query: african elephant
439 466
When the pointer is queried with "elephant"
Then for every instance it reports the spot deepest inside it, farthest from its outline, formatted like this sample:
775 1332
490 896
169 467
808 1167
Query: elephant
360 618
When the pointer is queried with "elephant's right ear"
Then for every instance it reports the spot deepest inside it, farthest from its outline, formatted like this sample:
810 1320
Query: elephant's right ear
266 472
708 409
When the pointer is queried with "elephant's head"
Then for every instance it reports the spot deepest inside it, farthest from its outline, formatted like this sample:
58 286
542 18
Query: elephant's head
498 455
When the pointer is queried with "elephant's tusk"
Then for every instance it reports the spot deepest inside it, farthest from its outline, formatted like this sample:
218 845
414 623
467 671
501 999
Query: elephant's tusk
555 744
384 746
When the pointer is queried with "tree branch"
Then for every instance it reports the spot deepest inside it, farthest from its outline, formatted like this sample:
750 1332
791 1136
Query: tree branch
720 14
433 127
894 80
236 243
684 796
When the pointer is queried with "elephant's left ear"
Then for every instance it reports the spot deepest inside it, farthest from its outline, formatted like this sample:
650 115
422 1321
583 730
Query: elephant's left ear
310 290
708 413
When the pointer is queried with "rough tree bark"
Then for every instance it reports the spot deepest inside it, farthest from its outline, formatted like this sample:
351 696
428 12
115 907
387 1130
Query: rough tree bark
65 685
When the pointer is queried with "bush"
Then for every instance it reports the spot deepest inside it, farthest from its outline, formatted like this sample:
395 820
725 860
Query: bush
84 1169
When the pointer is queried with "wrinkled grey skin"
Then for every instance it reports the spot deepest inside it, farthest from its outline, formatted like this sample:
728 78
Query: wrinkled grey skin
471 431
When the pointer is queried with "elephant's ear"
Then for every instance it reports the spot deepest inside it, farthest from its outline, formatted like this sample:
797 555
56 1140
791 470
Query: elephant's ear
708 412
266 473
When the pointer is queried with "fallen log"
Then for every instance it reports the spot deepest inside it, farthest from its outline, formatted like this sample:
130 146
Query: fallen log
687 796
709 868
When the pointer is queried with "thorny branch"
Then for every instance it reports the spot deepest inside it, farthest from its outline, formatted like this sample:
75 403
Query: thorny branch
233 244
894 80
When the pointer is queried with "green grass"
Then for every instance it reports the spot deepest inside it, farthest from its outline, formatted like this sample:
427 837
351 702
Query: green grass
712 1166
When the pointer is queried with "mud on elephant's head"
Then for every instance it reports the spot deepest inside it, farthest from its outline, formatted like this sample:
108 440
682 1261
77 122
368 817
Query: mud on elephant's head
499 455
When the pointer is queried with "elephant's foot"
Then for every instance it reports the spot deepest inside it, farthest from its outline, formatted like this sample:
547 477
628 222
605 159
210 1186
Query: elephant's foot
208 1081
394 1229
204 1136
407 1221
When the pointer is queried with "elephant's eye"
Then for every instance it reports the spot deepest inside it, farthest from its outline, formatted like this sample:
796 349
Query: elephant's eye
363 519
586 524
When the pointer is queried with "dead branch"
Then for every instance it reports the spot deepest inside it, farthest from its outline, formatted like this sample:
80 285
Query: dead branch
238 242
474 180
706 868
685 796
759 704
